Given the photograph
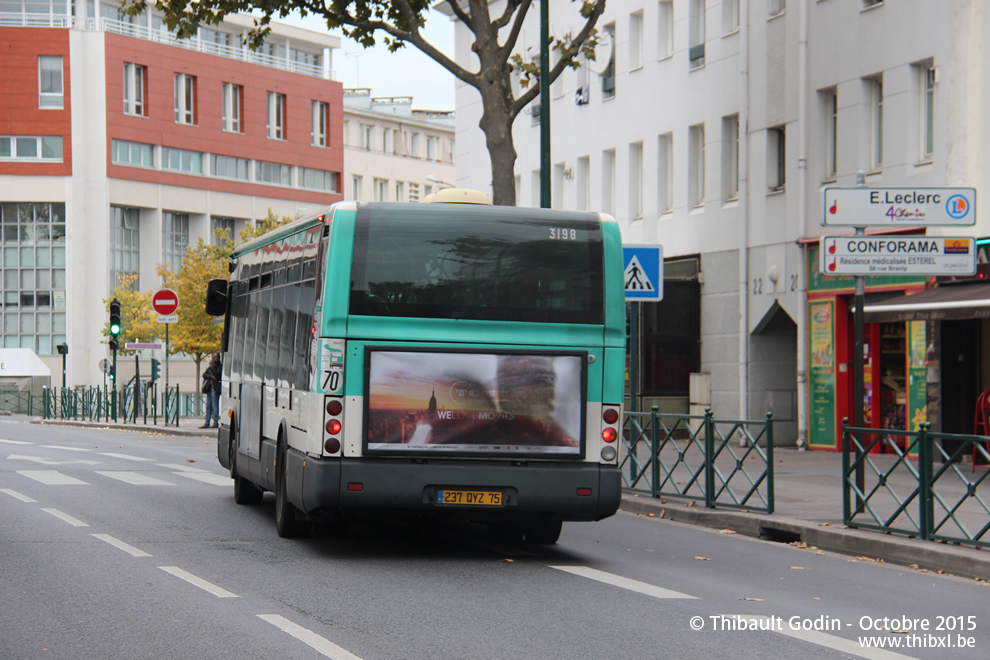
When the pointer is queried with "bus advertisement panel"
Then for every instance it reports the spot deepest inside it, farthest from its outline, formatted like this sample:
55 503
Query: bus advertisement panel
475 403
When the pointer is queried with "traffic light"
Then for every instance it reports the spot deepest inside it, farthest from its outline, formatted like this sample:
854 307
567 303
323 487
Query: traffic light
154 369
114 317
114 345
113 374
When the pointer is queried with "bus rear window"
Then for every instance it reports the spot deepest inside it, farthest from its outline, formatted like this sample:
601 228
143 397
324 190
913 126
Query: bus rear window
477 262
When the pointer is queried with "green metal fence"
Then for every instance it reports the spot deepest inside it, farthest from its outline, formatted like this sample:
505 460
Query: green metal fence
133 404
918 486
21 403
723 463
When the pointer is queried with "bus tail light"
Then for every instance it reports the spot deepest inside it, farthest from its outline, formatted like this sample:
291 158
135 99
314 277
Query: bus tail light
611 427
333 424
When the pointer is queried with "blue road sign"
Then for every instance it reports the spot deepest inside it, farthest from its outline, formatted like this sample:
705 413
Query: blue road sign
643 272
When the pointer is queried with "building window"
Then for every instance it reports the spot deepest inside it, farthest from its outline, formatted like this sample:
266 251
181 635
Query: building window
776 7
431 147
665 29
696 33
135 89
730 16
185 99
320 112
233 99
50 81
414 145
131 153
636 180
876 123
583 183
222 228
608 181
696 165
318 180
387 140
730 158
33 275
636 40
381 190
274 173
928 78
357 187
608 77
665 173
400 191
175 239
31 147
276 116
367 137
230 167
181 160
776 158
450 149
831 133
125 246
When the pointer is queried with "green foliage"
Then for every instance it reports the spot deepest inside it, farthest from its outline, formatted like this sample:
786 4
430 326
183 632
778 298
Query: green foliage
263 226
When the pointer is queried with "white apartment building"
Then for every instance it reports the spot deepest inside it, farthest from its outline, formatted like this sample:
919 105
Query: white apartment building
712 127
394 152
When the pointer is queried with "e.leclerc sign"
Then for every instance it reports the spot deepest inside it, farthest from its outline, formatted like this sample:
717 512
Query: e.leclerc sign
897 255
870 207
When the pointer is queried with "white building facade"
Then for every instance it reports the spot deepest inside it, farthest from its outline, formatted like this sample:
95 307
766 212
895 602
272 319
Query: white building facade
394 152
711 127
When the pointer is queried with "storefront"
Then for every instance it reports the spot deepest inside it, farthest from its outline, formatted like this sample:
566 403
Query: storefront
895 353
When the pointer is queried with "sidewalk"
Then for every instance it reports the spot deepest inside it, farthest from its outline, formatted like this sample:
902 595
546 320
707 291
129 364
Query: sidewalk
807 503
808 512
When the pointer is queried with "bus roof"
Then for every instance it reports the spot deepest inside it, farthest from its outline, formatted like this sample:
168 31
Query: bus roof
293 227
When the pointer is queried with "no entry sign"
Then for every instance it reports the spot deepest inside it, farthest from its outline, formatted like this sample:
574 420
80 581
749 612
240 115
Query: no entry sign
165 302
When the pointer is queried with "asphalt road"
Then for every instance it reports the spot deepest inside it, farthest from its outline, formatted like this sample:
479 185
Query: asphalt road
118 544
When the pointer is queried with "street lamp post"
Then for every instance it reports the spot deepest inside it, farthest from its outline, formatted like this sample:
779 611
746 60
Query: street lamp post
63 350
545 104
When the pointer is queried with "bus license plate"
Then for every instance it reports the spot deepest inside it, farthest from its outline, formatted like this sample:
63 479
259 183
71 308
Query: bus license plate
469 497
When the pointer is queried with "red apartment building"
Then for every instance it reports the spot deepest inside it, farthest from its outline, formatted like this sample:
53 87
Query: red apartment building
120 145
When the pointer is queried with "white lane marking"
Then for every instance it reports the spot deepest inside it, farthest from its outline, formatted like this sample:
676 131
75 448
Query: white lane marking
180 467
126 457
198 582
52 478
821 639
622 582
15 494
320 644
48 461
120 545
133 478
65 448
206 478
75 522
14 442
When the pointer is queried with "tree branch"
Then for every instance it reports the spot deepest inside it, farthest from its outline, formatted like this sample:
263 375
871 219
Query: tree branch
510 8
510 41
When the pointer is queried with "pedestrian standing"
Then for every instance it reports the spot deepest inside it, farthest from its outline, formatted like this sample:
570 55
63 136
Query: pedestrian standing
213 377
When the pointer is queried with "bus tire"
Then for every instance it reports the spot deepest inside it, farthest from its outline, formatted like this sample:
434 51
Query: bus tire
544 533
245 492
288 521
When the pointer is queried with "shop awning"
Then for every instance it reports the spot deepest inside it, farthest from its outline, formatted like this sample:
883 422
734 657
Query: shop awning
945 302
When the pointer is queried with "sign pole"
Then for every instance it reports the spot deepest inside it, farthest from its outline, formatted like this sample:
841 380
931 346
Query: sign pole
166 357
859 300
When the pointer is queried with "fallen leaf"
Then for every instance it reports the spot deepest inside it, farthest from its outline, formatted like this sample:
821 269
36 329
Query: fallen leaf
817 598
663 501
691 503
799 544
863 558
511 561
663 513
649 550
756 599
823 524
912 566
650 515
924 570
798 568
190 460
939 571
820 552
727 531
703 558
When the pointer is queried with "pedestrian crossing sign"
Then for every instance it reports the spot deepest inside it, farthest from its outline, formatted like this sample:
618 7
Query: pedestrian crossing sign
643 272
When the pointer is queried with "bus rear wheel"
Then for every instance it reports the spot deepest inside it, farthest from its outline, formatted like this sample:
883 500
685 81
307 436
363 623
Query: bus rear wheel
288 521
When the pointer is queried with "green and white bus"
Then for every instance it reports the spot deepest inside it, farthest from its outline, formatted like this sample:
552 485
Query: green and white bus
452 359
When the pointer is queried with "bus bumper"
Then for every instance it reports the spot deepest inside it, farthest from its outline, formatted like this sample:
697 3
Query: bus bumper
529 491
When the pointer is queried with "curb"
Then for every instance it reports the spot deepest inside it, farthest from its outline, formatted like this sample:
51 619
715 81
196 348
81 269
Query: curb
930 555
157 430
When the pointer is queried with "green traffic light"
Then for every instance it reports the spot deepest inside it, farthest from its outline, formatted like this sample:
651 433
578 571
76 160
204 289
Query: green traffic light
114 329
